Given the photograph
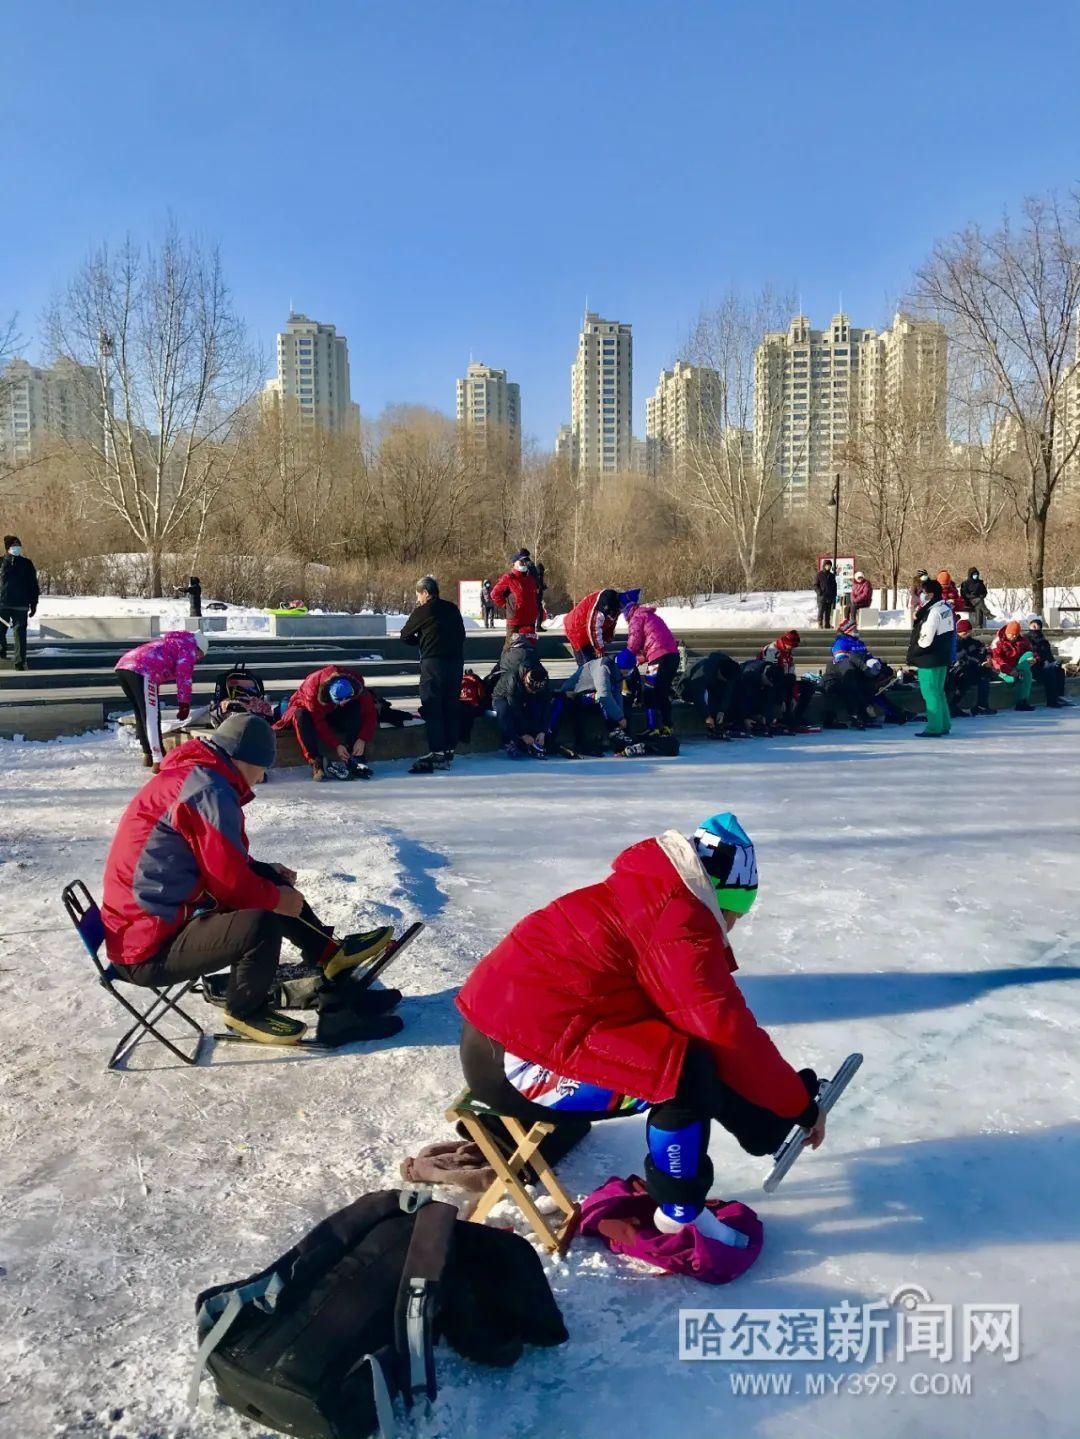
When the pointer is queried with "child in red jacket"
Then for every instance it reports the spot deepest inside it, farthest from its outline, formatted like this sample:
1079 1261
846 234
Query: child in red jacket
619 998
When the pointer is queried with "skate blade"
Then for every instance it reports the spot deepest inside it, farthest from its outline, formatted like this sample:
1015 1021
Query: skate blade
794 1144
389 954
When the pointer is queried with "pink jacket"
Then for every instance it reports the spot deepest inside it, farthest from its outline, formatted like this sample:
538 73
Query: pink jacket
172 657
649 637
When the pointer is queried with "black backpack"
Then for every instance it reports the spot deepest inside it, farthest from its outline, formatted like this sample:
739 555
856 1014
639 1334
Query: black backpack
319 1343
238 691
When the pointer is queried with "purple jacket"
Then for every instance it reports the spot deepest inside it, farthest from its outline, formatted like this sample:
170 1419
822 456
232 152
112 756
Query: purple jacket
649 638
172 657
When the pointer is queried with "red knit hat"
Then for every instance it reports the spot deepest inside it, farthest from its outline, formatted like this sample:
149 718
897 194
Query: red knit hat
963 627
790 639
847 627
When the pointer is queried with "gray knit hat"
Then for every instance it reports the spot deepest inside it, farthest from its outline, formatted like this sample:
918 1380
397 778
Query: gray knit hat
249 738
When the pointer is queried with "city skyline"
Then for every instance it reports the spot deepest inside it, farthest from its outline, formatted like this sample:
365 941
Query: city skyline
705 201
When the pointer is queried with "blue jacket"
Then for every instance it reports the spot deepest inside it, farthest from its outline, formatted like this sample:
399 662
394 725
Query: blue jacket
849 645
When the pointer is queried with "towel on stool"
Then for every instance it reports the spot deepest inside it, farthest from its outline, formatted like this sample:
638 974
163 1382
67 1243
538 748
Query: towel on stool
450 1162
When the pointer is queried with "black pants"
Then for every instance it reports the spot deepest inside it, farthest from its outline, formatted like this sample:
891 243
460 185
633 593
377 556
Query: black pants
960 679
440 693
702 1096
489 617
344 721
14 618
824 613
143 695
658 687
246 940
1052 679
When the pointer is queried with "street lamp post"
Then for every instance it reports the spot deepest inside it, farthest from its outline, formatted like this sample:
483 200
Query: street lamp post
834 503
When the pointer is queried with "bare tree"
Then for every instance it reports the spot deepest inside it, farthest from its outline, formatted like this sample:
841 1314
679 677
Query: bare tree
730 472
1010 298
169 372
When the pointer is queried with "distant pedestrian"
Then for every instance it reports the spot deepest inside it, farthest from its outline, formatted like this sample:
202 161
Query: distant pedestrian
487 605
436 626
825 589
973 595
19 596
518 593
862 595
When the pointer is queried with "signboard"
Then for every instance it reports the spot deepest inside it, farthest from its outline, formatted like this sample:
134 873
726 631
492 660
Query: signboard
469 598
845 568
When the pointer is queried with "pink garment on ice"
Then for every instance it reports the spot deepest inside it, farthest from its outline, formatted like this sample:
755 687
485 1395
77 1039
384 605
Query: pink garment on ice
649 637
171 658
621 1213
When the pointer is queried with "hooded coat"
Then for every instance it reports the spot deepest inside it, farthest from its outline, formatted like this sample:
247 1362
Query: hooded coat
610 984
314 697
649 639
587 627
518 592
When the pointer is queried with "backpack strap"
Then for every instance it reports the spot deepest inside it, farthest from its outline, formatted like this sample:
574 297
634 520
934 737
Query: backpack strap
219 1312
420 1275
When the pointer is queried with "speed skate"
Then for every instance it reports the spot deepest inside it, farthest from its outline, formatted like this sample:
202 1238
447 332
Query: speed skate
829 1091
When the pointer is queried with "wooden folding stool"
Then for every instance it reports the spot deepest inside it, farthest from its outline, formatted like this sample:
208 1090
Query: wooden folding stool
469 1112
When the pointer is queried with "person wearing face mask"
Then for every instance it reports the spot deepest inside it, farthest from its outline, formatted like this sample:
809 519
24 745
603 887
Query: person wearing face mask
518 593
19 596
1046 669
973 595
932 650
915 593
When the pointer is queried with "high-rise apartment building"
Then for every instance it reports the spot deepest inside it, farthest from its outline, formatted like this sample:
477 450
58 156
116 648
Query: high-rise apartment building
489 412
601 396
63 401
686 408
815 388
313 375
565 448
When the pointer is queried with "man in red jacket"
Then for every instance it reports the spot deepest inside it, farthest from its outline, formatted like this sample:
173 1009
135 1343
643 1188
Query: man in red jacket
335 720
183 897
590 625
518 593
618 998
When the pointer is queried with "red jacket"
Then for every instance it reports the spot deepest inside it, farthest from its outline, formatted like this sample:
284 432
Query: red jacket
1005 653
180 841
951 595
586 627
609 984
519 594
313 696
862 593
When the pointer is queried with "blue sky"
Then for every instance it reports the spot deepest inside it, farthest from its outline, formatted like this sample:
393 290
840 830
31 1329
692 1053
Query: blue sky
443 180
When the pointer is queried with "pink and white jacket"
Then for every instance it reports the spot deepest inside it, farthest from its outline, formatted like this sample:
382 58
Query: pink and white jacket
173 657
649 637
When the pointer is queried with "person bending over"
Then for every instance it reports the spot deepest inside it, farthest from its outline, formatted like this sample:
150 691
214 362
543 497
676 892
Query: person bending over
335 720
143 670
522 701
619 998
590 625
711 685
183 897
656 650
971 669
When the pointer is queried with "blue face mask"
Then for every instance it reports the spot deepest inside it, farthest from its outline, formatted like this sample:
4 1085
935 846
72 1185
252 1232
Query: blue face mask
15 550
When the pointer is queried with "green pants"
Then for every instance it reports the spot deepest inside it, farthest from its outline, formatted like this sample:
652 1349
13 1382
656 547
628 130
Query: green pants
932 684
1024 678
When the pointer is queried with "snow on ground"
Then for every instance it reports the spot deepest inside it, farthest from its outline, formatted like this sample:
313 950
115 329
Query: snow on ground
918 903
